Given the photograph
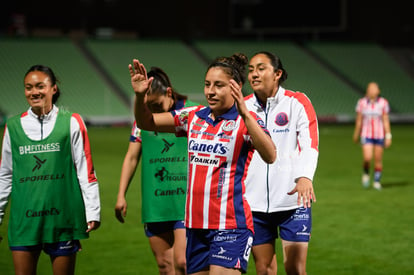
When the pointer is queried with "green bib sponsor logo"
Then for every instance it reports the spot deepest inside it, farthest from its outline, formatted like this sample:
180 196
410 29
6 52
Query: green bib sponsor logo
41 213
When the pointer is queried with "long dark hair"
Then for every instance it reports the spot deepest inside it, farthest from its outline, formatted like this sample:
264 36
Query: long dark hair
234 65
160 84
52 76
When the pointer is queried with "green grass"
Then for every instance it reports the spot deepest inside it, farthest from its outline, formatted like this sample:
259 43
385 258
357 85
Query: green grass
355 231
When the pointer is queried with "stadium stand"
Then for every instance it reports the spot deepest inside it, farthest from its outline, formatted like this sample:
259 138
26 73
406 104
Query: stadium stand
95 81
83 90
185 69
331 97
365 62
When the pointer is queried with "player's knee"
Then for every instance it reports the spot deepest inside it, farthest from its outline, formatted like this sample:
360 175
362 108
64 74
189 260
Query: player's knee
165 265
265 269
294 269
165 268
180 264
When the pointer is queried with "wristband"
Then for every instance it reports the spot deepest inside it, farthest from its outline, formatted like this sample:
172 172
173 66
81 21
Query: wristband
388 136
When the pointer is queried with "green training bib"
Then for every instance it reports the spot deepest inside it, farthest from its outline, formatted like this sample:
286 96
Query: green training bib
46 203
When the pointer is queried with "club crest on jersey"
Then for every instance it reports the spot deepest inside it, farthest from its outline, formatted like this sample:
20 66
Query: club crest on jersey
261 123
183 117
281 119
229 125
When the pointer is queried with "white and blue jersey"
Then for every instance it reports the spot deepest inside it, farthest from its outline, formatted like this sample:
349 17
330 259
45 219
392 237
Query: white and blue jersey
293 126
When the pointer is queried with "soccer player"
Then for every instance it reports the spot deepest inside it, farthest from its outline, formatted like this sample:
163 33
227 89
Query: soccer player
280 194
163 179
373 131
47 173
221 140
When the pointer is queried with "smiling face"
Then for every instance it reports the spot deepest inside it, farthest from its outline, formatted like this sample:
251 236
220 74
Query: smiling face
262 76
39 92
217 90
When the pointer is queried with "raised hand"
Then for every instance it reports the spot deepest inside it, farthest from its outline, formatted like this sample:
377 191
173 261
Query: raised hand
139 79
237 94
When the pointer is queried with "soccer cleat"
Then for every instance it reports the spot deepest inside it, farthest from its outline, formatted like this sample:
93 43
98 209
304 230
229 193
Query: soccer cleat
377 185
365 180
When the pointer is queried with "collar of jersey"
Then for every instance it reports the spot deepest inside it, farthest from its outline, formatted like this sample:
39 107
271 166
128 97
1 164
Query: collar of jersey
229 115
179 104
271 100
46 117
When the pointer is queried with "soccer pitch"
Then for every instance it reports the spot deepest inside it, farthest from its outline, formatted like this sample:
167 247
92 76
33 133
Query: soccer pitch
355 230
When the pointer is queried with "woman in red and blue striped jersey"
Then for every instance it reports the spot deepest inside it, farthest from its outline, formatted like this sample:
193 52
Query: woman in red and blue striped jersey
373 131
221 141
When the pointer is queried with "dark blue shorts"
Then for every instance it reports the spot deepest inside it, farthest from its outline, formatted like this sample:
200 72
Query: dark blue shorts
64 248
293 225
374 141
227 248
157 228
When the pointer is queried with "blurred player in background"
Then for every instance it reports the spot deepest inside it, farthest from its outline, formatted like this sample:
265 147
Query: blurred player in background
163 179
47 172
373 131
221 140
280 194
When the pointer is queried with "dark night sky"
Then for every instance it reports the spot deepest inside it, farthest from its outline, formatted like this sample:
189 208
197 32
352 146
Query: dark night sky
384 22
